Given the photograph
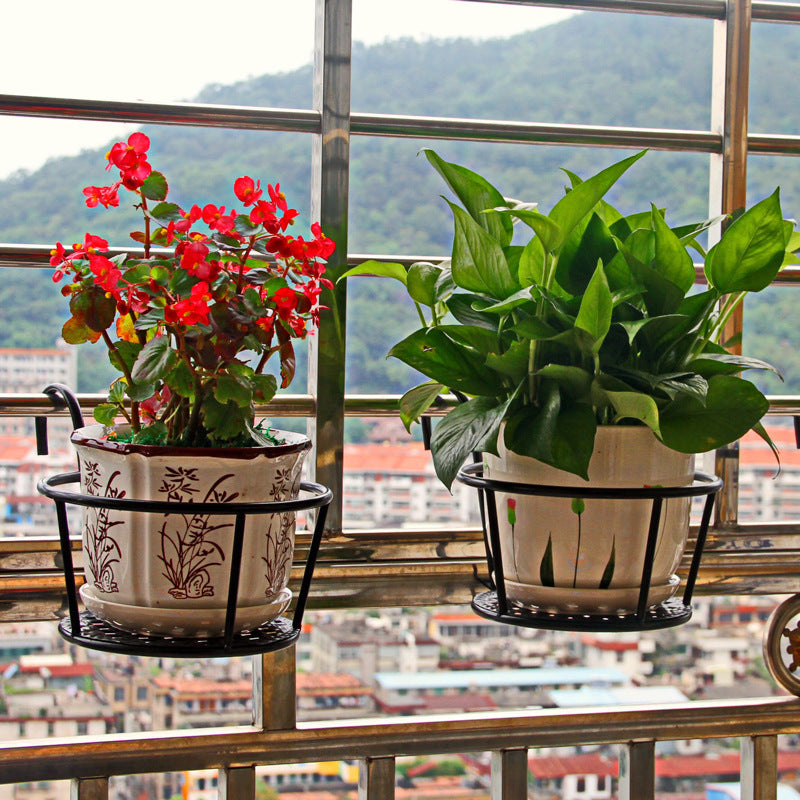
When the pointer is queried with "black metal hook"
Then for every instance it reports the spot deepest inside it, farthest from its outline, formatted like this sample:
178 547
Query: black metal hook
61 396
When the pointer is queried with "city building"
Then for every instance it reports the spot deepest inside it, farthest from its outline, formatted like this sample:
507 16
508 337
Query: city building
200 702
401 692
394 485
332 695
585 776
357 649
28 371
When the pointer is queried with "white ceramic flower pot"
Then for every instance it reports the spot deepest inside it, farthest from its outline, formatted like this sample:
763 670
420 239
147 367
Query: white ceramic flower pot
167 574
570 557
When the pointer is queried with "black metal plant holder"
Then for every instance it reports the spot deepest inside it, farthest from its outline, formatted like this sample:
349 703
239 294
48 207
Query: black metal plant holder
85 629
494 603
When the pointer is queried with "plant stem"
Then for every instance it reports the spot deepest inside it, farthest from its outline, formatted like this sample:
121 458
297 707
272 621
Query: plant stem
730 305
146 226
421 315
112 348
242 262
577 555
194 417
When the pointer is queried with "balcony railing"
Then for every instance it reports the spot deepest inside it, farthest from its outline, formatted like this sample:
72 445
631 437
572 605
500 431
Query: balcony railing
276 738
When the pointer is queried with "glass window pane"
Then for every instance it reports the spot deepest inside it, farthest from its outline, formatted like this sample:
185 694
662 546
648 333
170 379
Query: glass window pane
181 48
765 173
200 164
177 58
396 209
390 483
774 66
592 68
766 493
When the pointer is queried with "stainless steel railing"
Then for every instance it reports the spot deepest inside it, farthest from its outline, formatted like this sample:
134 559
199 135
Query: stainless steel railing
276 738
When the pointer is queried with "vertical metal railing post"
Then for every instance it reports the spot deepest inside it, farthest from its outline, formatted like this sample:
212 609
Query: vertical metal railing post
329 202
237 783
376 779
274 690
510 774
89 789
728 182
637 771
759 769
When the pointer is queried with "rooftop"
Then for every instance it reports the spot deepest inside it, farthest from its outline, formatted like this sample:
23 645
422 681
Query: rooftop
501 678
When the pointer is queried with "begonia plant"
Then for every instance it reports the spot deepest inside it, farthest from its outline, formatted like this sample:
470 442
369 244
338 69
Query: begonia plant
192 318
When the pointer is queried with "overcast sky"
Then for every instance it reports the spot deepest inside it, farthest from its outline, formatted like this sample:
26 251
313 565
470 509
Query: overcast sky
167 50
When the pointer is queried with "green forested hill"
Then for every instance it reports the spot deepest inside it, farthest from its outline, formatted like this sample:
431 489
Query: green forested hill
605 69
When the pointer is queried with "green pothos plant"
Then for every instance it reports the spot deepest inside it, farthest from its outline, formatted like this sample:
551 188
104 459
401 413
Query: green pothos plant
596 319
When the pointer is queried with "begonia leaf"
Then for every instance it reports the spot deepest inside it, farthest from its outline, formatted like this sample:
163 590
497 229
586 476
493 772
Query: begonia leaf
75 331
156 359
155 186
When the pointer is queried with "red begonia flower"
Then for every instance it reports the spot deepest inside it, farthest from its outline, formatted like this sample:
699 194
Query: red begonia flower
192 310
131 160
57 255
262 213
246 190
217 219
126 156
286 301
326 245
191 253
288 218
277 196
91 244
207 270
298 326
106 274
103 195
188 218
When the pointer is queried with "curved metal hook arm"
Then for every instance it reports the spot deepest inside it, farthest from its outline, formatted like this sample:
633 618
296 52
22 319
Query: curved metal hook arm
61 396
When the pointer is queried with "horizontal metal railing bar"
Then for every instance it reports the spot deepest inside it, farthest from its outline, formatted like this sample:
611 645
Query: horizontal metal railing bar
707 9
764 11
398 551
139 112
390 568
773 144
37 256
335 740
367 124
31 405
418 127
297 405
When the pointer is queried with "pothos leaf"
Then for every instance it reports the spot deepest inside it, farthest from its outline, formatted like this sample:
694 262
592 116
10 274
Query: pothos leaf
546 575
417 401
608 572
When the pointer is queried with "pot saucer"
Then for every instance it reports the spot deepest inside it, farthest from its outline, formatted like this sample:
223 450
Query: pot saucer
181 622
566 600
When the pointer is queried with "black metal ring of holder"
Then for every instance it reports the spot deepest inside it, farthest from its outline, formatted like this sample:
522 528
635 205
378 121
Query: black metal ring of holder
85 629
494 604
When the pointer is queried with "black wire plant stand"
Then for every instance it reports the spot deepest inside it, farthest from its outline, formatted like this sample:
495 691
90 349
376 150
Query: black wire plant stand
84 628
495 605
